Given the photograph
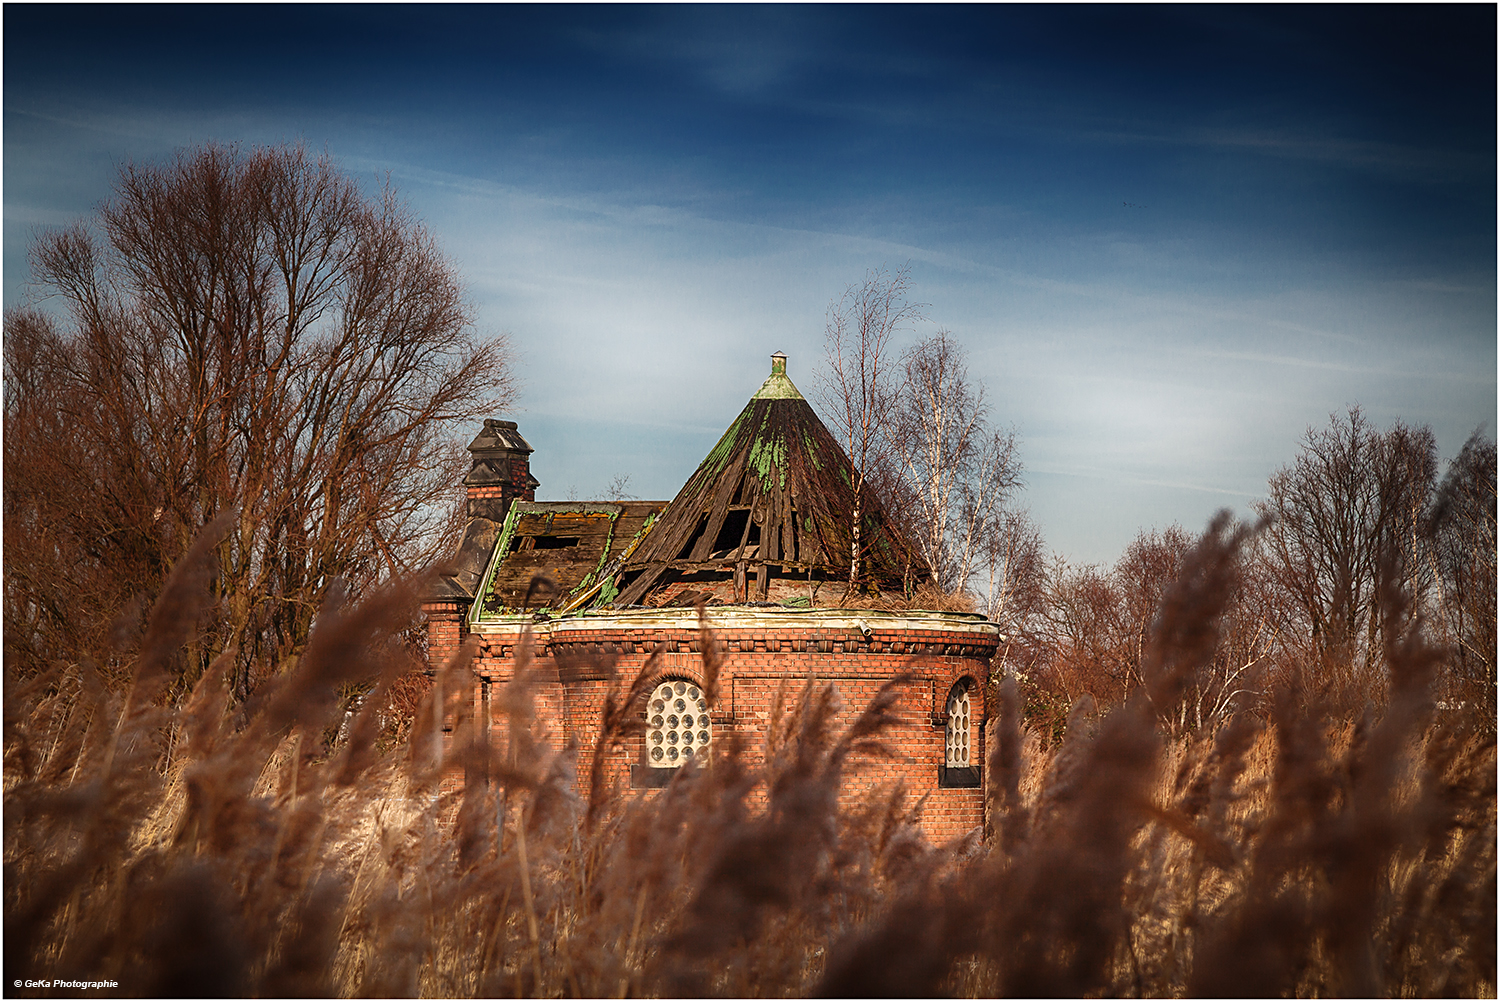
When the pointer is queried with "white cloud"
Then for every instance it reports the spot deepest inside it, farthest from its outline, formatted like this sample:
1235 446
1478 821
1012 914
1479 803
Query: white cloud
1161 365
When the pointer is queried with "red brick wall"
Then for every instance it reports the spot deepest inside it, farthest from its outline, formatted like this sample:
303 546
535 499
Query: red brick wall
520 478
446 630
571 688
517 486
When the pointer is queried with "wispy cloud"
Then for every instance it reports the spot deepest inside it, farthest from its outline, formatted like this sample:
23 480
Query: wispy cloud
1117 476
1409 161
34 216
1469 376
651 199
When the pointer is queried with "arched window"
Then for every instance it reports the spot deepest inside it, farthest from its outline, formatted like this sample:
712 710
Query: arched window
960 749
957 756
678 730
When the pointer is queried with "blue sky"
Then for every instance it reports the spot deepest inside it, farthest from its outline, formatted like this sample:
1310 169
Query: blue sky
1170 238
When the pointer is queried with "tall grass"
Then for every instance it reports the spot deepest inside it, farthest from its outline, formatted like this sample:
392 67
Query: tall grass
217 849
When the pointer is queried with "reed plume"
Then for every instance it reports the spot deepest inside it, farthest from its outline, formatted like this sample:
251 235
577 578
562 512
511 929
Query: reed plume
300 844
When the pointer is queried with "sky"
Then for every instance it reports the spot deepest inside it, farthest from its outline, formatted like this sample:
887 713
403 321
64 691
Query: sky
1171 239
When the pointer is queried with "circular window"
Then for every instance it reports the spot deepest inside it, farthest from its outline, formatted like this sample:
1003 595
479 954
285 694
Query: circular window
679 727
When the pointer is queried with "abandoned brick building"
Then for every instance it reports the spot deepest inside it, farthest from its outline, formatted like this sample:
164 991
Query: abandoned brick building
761 534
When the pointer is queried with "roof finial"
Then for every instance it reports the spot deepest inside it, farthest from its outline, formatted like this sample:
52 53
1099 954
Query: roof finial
777 386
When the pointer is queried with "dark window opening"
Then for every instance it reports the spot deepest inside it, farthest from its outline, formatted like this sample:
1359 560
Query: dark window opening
687 550
731 531
555 542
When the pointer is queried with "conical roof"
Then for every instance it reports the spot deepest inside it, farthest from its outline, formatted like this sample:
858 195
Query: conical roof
774 499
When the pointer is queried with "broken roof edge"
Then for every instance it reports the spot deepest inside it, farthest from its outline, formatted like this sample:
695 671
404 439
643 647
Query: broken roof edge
584 507
506 535
446 588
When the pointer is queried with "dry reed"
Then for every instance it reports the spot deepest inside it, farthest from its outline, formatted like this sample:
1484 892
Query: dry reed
209 849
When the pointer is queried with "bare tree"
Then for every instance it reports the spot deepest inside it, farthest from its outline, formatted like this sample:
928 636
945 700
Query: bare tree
961 471
1229 672
858 389
1098 630
618 489
1013 567
1350 505
1142 575
1461 526
244 333
919 436
1082 631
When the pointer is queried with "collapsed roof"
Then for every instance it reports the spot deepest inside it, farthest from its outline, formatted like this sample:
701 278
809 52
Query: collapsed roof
769 513
767 517
561 554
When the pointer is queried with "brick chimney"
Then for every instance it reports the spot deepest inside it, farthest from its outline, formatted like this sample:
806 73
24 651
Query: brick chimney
501 472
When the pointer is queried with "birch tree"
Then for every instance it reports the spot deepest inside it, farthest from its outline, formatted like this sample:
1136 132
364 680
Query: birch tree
960 470
858 388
